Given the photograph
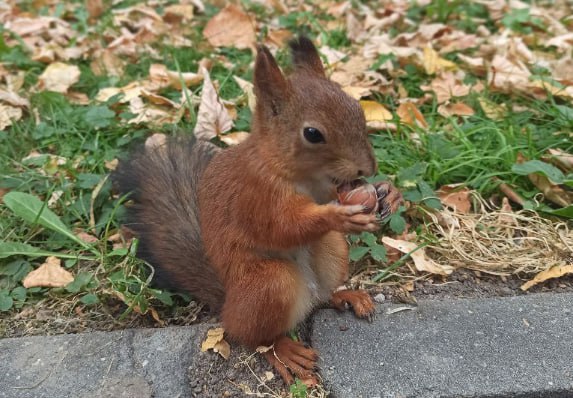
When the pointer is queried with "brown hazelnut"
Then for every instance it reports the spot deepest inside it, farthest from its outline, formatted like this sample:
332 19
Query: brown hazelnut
358 192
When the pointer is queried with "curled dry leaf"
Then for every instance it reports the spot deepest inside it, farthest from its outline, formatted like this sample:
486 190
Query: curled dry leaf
213 119
13 99
49 274
234 138
421 261
455 197
162 77
458 109
215 341
248 89
492 110
553 272
562 159
447 86
231 27
59 77
8 115
410 115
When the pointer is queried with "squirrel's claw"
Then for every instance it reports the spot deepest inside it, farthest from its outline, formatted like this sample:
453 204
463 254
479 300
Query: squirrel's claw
360 301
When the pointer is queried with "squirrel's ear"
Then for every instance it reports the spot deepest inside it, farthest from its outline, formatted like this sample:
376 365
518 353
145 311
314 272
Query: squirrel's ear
305 55
271 86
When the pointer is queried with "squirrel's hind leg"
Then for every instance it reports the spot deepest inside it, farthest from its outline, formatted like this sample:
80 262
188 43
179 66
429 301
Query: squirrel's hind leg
268 299
330 262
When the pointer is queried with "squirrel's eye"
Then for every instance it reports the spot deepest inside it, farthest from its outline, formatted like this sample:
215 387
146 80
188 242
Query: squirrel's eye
312 135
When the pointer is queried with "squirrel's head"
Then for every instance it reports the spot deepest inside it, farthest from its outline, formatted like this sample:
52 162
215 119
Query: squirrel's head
311 122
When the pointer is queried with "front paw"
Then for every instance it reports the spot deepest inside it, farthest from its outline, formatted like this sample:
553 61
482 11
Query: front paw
389 198
352 219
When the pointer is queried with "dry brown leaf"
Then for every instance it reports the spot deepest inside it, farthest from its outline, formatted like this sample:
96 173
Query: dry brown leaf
213 119
562 159
111 164
410 115
421 262
506 75
13 99
162 77
234 138
178 13
59 77
446 86
95 8
215 341
433 63
155 141
553 272
107 63
457 109
86 237
8 115
49 274
231 27
248 89
456 198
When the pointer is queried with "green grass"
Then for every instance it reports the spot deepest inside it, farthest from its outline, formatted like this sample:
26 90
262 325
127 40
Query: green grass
473 150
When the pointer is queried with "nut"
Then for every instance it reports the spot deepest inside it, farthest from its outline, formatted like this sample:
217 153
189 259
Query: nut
358 192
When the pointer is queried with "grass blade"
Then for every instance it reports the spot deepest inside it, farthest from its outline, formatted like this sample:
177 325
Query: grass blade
32 210
8 249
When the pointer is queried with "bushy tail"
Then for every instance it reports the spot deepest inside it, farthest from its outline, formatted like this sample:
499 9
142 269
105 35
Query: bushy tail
162 183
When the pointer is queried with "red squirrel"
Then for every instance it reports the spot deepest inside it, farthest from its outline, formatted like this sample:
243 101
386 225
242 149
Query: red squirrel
253 230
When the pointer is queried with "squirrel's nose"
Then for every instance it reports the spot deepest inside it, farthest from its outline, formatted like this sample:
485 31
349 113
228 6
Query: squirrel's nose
369 168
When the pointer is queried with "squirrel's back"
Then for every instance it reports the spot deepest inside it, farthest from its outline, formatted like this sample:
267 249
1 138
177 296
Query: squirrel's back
162 182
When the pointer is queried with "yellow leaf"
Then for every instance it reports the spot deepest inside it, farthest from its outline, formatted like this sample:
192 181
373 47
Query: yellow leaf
433 63
49 274
553 272
231 27
492 110
421 262
59 77
216 342
373 111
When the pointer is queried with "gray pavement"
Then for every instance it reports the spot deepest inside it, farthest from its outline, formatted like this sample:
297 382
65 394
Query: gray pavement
500 347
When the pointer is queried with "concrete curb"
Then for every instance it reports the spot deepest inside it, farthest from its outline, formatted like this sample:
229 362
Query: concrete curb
497 347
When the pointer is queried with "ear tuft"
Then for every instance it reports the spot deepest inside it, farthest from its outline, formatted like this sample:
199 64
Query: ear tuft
305 55
271 87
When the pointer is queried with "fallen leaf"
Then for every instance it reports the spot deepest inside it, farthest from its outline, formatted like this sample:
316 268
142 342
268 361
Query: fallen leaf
231 27
562 159
8 115
59 77
506 75
410 115
162 77
248 89
433 63
86 237
49 274
447 86
213 119
178 13
492 110
216 342
13 99
418 254
374 111
107 63
553 272
234 138
455 198
457 109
